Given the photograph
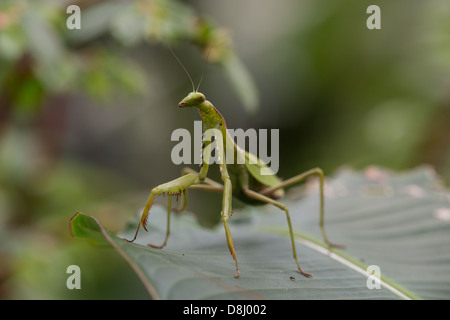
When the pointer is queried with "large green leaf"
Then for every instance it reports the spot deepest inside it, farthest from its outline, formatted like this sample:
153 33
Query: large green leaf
398 222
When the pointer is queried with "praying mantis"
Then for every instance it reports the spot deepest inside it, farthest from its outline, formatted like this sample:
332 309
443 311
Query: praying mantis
242 180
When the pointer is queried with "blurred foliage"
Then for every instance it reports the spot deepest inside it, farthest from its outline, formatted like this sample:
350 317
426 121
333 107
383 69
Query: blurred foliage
43 66
86 115
367 96
42 56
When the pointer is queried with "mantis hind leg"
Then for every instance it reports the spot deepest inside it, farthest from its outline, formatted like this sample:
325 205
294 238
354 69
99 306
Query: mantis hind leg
298 178
257 196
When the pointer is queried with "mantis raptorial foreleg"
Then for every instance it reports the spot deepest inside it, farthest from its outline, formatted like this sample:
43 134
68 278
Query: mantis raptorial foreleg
192 179
207 185
174 187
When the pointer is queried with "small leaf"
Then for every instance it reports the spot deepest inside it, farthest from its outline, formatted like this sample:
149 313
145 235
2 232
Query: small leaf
83 226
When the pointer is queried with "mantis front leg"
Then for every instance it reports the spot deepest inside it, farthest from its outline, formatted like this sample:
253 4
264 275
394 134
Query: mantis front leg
207 185
174 187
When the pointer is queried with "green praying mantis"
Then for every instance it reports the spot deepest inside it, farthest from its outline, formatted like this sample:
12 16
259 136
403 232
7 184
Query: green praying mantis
242 180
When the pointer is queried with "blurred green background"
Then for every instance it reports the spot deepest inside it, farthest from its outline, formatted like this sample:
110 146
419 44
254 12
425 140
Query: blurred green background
86 115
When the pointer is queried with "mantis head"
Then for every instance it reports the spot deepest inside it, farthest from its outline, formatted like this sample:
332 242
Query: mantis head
193 99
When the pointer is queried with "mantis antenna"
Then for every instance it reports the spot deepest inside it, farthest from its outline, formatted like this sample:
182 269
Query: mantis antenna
185 70
204 67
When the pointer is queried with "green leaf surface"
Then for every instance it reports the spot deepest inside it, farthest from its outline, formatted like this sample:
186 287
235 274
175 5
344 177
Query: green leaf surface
398 222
